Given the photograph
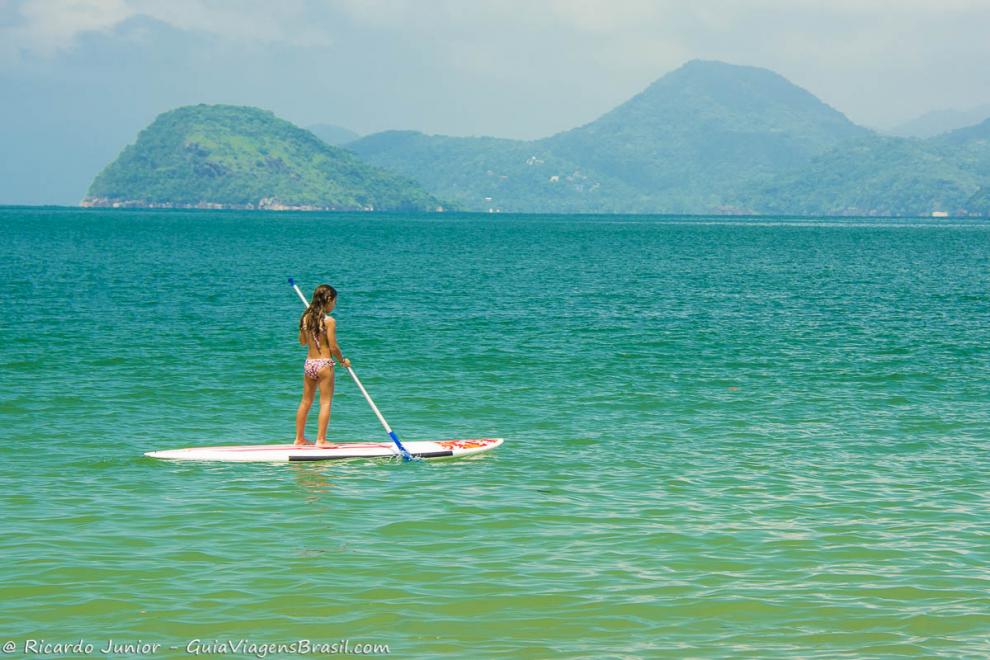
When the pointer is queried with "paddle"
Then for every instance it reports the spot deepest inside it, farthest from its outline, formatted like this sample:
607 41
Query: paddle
402 450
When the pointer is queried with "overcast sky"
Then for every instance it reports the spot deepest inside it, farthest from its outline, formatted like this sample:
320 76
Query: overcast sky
79 78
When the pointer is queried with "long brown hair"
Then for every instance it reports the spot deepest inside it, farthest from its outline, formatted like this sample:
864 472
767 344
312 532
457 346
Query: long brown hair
312 319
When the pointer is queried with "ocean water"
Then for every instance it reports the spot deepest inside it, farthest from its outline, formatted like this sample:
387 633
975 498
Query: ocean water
725 437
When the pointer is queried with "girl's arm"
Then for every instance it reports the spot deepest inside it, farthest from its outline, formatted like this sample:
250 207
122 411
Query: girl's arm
331 326
302 337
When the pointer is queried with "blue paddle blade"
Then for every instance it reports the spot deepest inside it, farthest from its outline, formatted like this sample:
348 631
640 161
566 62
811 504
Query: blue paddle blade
406 456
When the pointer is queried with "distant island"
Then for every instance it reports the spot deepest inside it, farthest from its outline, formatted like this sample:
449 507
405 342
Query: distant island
708 138
332 134
244 158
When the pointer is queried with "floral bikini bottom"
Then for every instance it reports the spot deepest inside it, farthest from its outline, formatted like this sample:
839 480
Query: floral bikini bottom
311 369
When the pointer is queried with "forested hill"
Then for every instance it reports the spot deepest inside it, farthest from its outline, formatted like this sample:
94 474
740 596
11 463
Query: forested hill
241 157
709 137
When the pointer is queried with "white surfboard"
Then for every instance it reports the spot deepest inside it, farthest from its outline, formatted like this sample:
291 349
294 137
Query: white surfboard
337 451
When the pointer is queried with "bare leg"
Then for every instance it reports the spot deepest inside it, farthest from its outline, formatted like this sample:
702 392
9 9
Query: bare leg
309 393
326 399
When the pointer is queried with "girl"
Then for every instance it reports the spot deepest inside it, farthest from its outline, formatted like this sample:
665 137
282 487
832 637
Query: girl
319 332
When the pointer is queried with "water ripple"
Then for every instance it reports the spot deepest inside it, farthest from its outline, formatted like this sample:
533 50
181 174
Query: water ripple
724 438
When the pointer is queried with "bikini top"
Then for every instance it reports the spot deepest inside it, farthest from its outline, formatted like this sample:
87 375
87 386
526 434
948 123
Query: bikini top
316 337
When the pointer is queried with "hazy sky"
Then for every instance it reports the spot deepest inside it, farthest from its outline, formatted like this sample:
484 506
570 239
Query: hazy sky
80 78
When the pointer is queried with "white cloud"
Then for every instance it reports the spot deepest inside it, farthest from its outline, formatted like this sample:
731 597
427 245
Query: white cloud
873 59
285 21
45 28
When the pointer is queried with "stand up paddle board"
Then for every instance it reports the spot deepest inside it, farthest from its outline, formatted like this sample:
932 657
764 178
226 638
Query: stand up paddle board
338 451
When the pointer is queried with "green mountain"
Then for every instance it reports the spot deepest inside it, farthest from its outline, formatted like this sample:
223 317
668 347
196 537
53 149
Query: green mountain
707 138
969 146
333 135
873 176
688 143
240 157
486 173
888 176
704 130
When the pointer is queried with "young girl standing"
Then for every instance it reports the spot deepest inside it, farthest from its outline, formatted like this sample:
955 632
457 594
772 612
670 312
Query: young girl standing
318 331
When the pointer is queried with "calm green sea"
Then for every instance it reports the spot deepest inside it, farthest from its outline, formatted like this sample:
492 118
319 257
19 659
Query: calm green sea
724 437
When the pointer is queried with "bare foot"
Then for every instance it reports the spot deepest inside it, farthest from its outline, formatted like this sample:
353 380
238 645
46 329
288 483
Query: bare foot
323 443
300 443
